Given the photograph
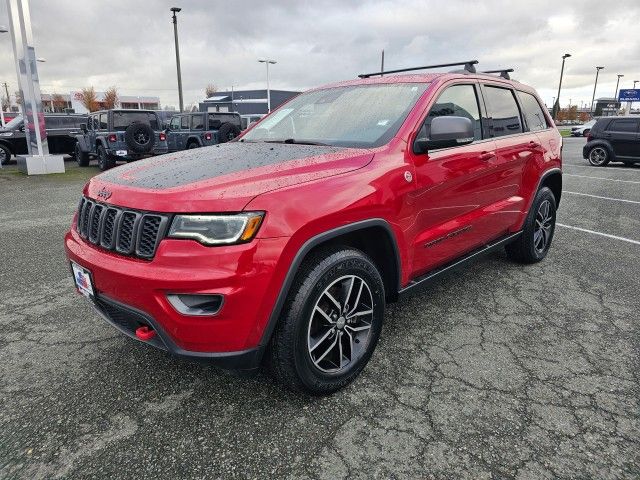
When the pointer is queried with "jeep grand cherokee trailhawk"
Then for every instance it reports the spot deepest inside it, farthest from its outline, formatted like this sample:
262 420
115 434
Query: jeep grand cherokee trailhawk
283 246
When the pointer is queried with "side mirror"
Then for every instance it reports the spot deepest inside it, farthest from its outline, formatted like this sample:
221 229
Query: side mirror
83 127
446 132
21 128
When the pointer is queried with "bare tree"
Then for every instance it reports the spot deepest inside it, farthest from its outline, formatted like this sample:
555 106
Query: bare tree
58 102
18 95
89 99
111 98
5 103
210 90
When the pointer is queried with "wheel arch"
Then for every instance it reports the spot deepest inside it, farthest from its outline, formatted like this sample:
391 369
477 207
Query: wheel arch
553 180
193 139
364 236
601 143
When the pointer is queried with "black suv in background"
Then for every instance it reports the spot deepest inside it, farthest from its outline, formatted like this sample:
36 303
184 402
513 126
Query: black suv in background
199 129
60 129
613 139
120 134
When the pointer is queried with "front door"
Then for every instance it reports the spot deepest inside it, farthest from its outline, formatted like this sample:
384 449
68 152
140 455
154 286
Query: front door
453 186
173 134
622 133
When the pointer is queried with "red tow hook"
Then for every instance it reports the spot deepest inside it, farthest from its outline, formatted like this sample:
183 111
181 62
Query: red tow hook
145 333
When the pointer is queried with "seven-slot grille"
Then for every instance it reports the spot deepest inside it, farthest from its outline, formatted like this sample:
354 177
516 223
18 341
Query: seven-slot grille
128 232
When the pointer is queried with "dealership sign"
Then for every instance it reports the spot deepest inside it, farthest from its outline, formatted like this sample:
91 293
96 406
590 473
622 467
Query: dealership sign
629 95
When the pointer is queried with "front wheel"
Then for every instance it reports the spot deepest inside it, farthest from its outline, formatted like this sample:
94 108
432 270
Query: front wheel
5 155
331 322
599 156
81 157
533 243
105 161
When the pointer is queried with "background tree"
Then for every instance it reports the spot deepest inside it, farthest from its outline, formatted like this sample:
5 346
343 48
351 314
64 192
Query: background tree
58 103
210 90
111 98
5 103
18 96
89 99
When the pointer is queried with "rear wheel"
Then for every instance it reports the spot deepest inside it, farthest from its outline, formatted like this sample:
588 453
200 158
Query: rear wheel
599 156
105 161
192 145
81 157
585 133
534 242
331 322
5 155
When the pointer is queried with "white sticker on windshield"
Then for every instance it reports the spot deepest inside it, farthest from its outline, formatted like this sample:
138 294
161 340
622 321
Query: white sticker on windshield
383 123
275 118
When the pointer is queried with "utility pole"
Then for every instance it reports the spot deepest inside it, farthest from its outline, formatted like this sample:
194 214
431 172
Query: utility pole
175 36
382 64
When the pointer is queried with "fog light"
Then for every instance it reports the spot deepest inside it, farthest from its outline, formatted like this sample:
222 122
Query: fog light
196 303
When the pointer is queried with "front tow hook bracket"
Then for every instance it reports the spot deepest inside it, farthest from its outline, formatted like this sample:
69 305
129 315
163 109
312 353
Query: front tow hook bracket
145 333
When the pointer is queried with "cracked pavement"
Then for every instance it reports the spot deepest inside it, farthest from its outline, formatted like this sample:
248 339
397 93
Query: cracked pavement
497 371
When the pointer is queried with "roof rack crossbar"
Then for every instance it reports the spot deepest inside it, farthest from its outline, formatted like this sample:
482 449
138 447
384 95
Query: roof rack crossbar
468 66
504 72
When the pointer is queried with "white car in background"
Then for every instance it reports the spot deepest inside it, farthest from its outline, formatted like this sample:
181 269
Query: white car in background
583 130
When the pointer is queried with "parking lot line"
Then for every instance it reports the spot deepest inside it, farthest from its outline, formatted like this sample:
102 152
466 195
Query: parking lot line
608 235
603 198
601 178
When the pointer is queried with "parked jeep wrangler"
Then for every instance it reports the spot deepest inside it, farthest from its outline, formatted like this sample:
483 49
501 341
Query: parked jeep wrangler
285 245
193 130
120 134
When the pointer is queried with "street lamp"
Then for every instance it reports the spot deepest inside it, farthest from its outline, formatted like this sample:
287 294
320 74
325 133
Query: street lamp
617 85
268 61
3 29
175 35
594 88
556 109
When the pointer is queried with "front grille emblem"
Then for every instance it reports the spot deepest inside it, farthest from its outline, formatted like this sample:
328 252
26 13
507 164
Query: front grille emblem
104 194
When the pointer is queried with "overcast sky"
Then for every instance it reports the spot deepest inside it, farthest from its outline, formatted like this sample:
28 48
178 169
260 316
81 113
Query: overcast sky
129 44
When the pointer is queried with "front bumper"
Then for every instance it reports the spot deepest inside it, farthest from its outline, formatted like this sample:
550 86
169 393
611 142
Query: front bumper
246 275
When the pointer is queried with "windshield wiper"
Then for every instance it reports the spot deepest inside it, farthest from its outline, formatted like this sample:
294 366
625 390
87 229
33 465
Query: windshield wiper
297 142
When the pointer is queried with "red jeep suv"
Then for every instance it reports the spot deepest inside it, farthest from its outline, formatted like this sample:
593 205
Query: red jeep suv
283 246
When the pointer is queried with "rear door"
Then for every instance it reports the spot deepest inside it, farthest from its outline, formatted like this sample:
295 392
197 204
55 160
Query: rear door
185 125
622 133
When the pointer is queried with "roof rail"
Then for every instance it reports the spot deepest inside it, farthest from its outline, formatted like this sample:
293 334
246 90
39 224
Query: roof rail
468 67
504 72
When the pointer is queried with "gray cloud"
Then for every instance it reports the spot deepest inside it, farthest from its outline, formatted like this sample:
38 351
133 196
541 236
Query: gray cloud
130 44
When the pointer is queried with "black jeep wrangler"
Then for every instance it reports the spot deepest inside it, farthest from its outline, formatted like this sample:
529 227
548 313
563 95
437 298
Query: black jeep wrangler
120 134
200 129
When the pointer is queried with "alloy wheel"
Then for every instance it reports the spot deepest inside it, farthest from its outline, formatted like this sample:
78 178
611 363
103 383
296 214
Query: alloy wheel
597 156
340 324
544 224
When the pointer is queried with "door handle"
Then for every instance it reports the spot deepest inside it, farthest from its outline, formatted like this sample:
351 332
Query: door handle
486 156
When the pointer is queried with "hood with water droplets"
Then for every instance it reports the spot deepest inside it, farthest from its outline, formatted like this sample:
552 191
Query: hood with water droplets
222 177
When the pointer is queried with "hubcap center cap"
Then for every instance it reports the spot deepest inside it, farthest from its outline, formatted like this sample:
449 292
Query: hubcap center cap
341 323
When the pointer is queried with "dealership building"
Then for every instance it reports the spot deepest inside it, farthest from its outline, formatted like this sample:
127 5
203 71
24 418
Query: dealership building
245 102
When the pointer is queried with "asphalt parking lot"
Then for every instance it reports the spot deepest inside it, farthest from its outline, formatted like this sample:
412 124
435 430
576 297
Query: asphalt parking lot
498 371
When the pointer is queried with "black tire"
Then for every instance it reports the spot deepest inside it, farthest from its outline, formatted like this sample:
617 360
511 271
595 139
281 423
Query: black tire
192 144
5 155
290 354
81 157
599 156
228 131
585 133
527 248
105 161
140 137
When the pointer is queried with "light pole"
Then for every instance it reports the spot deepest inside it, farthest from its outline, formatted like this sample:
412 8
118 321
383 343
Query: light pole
3 29
556 109
268 61
594 88
175 35
617 85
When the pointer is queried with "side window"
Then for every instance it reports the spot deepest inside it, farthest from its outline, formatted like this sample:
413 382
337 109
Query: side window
175 123
197 122
627 125
96 123
90 123
103 121
459 101
532 111
503 111
185 123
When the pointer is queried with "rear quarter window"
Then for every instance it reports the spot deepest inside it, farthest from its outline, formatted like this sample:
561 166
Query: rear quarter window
532 111
629 125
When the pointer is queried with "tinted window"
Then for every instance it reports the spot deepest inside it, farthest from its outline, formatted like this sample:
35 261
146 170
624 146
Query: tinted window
533 113
503 110
626 125
175 123
96 124
459 101
121 120
103 121
197 122
185 123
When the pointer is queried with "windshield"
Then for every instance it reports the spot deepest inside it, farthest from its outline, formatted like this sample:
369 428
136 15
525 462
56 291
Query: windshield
351 116
121 120
15 123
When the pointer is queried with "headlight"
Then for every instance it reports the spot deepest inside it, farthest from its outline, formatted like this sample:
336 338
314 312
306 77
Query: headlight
217 229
